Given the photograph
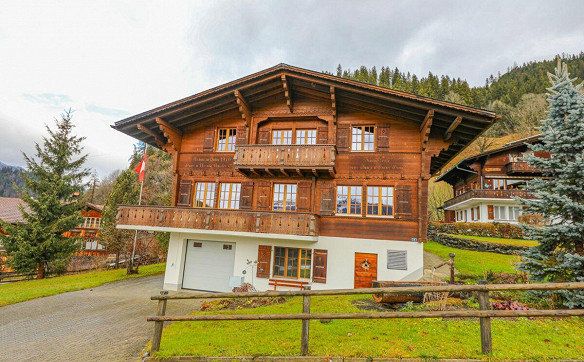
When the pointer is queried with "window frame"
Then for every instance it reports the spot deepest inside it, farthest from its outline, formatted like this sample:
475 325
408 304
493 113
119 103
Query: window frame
362 141
230 199
205 191
379 201
348 213
227 143
282 136
306 138
300 260
285 200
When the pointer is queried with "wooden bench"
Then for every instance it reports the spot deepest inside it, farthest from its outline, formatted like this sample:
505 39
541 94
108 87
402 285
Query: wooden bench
288 283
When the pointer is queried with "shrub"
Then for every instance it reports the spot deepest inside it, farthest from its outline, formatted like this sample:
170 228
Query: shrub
495 230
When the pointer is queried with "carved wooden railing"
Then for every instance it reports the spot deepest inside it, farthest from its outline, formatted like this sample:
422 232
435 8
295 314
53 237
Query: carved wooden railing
520 167
293 223
488 194
285 157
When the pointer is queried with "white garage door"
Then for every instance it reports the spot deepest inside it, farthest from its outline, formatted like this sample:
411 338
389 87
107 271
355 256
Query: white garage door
208 265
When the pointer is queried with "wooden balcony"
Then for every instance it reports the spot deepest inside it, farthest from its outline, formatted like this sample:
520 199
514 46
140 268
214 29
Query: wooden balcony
286 160
291 223
487 194
520 168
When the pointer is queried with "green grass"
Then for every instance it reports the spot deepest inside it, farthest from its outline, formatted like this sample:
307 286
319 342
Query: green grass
475 263
31 289
414 338
502 241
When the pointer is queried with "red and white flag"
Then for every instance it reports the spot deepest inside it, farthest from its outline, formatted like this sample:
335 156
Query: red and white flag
141 168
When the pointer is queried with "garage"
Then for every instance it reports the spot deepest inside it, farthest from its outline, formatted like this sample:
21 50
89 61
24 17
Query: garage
208 265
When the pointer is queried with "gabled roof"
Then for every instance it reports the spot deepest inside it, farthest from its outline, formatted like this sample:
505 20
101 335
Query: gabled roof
10 210
269 83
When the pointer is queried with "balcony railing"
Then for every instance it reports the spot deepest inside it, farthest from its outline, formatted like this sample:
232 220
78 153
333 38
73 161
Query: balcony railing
292 223
487 194
520 167
275 160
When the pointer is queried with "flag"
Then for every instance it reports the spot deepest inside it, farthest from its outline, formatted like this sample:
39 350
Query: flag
141 168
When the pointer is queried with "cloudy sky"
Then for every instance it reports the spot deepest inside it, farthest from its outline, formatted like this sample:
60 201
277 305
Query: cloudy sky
109 60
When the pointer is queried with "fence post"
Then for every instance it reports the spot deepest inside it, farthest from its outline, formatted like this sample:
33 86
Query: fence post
486 337
158 325
305 324
451 263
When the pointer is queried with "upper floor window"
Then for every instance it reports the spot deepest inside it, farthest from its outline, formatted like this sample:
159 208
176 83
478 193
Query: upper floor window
380 200
363 138
226 140
349 200
498 184
292 262
306 137
205 194
229 195
282 137
284 197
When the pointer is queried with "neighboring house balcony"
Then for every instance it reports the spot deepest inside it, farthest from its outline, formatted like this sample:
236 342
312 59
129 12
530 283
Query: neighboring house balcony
219 221
487 194
520 168
286 160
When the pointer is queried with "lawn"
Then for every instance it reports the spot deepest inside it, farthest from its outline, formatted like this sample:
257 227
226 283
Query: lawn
502 241
31 289
476 263
396 338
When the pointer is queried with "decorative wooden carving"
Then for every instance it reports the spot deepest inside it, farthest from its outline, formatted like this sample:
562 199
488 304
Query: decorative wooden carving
287 93
172 134
148 131
382 138
425 129
333 103
244 108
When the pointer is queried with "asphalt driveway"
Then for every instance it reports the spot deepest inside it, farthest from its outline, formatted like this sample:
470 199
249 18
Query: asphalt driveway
106 323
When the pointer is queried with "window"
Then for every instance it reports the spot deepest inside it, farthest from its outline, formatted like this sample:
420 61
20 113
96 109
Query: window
380 200
516 183
498 184
514 213
229 196
500 212
284 197
306 137
362 138
292 262
226 140
349 199
476 214
204 194
282 137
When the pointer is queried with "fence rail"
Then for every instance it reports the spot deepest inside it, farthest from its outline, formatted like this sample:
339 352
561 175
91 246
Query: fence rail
484 313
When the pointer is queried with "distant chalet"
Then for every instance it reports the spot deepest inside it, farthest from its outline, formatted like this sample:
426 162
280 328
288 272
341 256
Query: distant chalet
289 178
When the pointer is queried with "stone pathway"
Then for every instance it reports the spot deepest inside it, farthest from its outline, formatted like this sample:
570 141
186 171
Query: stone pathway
431 261
107 323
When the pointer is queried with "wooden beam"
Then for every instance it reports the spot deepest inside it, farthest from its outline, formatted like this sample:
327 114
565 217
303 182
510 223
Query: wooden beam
334 103
452 128
287 93
173 135
244 107
152 134
425 129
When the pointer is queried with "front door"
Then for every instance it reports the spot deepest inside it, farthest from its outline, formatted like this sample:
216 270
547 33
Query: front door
365 269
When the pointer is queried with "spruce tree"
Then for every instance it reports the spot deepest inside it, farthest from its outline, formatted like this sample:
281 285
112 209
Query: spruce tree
559 195
52 186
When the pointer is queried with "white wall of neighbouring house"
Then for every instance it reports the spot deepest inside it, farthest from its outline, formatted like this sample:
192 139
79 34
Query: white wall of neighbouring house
340 258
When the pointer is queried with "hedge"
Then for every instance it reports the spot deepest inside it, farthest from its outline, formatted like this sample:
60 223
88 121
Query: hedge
495 230
476 245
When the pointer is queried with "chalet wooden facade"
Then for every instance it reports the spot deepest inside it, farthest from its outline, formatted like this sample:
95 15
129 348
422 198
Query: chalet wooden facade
486 186
88 231
289 177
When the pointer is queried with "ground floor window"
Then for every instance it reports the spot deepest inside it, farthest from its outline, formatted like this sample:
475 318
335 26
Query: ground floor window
507 213
292 262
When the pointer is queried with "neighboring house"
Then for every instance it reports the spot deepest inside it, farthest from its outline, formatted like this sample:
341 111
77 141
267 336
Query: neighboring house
290 178
88 230
10 213
486 186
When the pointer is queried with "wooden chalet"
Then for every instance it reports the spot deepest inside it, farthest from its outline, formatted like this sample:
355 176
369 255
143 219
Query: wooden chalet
289 178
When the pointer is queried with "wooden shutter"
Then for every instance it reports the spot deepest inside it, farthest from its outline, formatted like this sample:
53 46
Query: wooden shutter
240 135
264 260
264 137
322 135
264 190
319 266
479 213
184 193
246 196
403 202
327 201
209 141
303 196
343 138
490 212
472 216
382 138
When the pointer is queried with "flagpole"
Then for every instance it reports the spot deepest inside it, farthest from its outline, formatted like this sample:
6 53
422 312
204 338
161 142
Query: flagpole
136 231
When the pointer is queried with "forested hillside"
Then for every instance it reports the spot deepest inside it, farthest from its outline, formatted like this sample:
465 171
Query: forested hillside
10 176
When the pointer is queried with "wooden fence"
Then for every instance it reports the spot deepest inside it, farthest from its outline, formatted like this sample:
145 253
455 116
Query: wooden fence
484 313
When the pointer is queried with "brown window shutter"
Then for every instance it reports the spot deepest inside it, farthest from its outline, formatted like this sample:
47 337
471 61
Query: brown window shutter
479 212
319 266
209 141
246 195
322 135
472 213
240 136
264 260
184 193
382 138
343 140
490 212
264 137
303 200
327 201
403 202
264 192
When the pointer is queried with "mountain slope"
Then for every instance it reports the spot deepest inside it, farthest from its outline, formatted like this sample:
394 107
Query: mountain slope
10 179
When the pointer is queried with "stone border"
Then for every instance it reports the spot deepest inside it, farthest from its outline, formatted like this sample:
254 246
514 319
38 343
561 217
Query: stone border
476 245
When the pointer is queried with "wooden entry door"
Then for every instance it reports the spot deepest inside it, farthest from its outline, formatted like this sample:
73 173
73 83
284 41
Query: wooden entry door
365 269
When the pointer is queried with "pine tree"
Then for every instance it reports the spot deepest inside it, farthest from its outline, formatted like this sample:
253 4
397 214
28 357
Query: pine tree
52 186
559 257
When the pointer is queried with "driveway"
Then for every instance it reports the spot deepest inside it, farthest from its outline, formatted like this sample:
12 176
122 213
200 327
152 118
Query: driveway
106 323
